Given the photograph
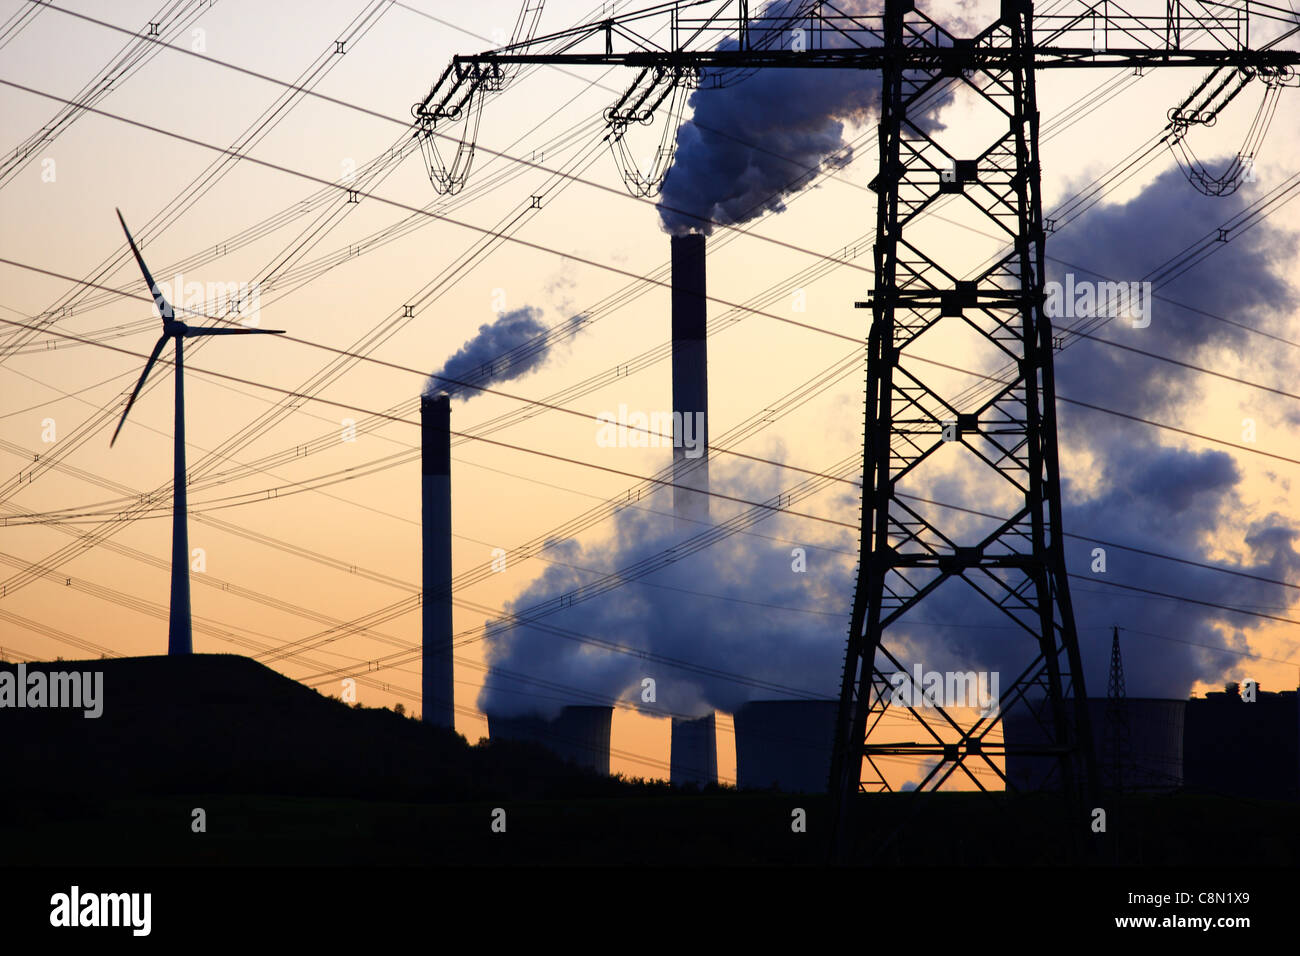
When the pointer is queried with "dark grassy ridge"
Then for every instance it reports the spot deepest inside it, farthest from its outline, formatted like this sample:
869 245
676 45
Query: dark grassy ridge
287 776
221 723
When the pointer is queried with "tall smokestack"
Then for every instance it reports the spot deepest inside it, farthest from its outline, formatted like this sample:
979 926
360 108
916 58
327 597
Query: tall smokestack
693 756
435 443
690 383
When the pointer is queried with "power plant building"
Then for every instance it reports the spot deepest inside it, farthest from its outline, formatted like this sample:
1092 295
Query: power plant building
1244 748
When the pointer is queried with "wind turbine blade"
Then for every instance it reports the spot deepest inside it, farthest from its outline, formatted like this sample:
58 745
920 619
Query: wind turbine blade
164 307
190 331
157 350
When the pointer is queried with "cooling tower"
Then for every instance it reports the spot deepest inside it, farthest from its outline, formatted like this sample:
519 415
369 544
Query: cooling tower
437 698
579 734
694 754
785 744
1155 731
690 382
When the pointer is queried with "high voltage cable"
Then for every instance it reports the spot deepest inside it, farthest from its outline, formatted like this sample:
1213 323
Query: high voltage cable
170 19
252 135
493 234
393 153
354 408
64 445
406 124
539 403
728 237
204 626
734 306
217 169
666 482
18 21
807 471
1159 593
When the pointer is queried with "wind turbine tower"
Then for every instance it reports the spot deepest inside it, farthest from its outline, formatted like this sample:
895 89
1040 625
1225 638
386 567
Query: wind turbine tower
179 639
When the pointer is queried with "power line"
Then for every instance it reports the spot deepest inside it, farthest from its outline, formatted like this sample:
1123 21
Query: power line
406 124
539 403
1183 599
755 458
735 306
479 438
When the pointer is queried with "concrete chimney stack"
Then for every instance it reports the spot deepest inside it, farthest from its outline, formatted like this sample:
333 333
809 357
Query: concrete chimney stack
690 383
693 757
438 699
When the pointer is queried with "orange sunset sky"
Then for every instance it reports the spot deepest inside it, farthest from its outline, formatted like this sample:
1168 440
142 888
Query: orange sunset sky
299 534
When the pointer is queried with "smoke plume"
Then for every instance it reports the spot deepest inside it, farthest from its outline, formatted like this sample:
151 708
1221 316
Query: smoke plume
506 349
749 146
740 607
1143 489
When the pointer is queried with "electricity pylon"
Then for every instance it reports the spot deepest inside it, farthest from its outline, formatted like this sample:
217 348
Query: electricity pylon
1119 734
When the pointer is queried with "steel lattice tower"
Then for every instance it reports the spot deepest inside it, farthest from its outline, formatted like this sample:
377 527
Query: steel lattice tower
1008 436
1118 734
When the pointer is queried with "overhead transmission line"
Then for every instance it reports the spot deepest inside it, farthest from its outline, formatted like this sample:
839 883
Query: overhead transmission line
702 540
171 20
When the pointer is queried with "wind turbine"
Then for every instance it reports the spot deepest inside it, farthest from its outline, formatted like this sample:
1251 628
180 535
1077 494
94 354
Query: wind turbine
179 639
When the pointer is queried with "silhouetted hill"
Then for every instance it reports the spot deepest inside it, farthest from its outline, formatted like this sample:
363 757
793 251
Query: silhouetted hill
286 775
222 723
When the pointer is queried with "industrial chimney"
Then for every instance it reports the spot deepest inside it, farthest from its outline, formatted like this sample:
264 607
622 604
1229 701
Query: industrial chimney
693 756
435 436
690 383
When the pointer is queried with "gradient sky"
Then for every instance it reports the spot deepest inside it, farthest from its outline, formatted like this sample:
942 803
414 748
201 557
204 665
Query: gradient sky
1226 506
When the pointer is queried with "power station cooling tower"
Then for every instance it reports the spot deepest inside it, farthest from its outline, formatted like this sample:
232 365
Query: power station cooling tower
438 699
1153 759
785 744
579 734
694 754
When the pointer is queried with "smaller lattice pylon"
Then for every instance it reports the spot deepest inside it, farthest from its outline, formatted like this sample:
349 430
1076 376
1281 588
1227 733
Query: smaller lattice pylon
1118 737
